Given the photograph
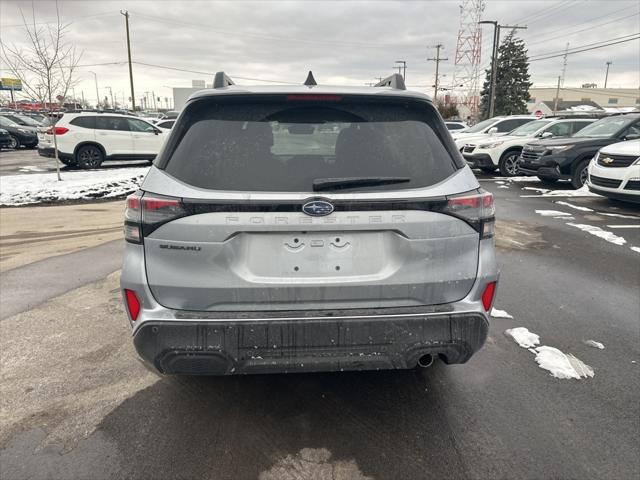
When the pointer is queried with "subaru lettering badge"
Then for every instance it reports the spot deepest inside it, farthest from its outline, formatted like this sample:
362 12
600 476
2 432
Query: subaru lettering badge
317 208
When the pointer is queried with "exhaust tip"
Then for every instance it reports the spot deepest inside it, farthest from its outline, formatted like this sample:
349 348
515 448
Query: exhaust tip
425 360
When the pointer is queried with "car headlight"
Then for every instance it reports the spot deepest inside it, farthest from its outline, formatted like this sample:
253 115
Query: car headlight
559 148
637 162
491 145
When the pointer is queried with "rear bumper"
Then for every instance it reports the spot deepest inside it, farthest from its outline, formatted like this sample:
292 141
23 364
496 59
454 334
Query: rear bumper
50 152
307 344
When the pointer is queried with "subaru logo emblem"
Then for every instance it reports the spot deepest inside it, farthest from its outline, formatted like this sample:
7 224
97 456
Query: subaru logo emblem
317 208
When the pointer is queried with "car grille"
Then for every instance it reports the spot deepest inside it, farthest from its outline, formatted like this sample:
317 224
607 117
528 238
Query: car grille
604 182
619 161
530 155
632 185
468 148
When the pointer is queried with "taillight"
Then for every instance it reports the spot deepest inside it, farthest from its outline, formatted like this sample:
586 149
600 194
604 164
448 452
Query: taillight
58 130
133 304
488 294
476 208
144 213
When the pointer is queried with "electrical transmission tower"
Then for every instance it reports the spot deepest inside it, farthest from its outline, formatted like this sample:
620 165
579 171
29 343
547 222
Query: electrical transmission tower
467 58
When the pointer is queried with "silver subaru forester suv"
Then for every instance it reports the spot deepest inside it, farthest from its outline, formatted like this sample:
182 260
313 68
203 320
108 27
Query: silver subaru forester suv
308 228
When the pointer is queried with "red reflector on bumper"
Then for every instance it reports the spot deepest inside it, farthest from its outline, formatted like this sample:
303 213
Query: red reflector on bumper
487 295
133 304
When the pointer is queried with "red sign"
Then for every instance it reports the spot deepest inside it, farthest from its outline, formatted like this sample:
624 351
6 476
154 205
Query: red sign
538 113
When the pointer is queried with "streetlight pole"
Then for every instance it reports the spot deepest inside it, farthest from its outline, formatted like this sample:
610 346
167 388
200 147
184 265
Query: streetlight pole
494 59
97 92
606 77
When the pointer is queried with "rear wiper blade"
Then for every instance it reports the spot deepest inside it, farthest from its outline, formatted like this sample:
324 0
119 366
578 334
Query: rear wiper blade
320 184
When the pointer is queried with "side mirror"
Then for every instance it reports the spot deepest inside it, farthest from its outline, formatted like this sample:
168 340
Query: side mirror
632 136
546 135
156 131
492 130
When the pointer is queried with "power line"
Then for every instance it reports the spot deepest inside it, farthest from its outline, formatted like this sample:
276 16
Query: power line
586 49
103 14
165 67
586 45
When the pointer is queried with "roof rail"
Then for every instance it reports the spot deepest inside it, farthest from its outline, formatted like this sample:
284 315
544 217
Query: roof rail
222 80
394 81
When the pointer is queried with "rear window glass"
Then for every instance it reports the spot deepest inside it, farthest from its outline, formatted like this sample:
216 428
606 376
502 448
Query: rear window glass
278 145
84 122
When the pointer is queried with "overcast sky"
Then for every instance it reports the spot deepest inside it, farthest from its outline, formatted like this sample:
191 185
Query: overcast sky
343 42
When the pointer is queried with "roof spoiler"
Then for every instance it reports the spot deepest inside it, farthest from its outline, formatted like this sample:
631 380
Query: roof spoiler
222 80
394 81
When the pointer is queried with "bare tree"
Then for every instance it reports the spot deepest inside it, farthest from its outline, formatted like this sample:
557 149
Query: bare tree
46 66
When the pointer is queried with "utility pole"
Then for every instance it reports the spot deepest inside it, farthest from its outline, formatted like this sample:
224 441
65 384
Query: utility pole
155 106
133 97
564 63
606 77
113 105
97 92
402 66
555 103
437 60
494 59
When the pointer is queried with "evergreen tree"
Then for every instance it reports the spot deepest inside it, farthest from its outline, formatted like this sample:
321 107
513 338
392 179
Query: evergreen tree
512 80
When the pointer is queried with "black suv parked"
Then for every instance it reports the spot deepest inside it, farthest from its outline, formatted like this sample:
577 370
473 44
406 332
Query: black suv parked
568 158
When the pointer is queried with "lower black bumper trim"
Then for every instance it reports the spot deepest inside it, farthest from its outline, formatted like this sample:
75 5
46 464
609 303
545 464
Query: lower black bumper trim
303 345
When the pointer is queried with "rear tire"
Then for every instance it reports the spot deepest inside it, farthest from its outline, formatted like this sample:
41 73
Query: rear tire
508 163
579 175
89 156
14 143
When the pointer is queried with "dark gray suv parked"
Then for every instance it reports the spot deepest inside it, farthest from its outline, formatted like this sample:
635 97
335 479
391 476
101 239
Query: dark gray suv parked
308 228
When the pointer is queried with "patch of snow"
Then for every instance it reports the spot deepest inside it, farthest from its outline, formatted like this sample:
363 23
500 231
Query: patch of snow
552 213
503 186
32 168
524 179
576 207
560 365
581 192
618 215
636 249
598 232
499 313
594 344
76 185
499 182
523 337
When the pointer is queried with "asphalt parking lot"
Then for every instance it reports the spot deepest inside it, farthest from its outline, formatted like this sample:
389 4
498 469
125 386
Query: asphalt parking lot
76 403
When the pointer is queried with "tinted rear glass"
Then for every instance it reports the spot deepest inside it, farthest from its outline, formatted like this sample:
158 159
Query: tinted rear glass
271 144
84 122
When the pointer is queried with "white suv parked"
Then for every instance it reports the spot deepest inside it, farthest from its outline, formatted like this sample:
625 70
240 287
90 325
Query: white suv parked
87 139
503 152
491 127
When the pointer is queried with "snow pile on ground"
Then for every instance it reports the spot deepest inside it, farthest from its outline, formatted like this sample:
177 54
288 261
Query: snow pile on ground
576 207
496 313
75 185
545 192
523 337
598 232
552 213
561 365
593 343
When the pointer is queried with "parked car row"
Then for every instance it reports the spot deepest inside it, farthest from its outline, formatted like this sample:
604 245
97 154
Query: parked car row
87 139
